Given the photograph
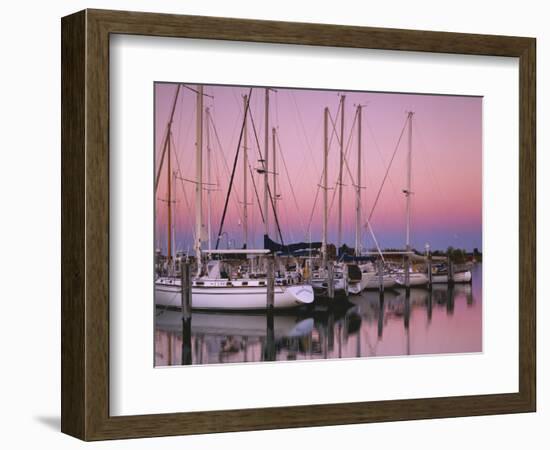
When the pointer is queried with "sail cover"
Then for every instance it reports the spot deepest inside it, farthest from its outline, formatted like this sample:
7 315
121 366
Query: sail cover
294 249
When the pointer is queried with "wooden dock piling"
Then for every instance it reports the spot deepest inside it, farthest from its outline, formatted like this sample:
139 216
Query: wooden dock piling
252 264
450 272
380 266
407 269
380 327
270 352
186 290
307 271
270 283
450 306
186 306
429 306
330 279
429 269
407 310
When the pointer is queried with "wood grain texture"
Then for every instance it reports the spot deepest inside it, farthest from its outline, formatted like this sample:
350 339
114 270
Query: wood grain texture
73 227
527 224
85 224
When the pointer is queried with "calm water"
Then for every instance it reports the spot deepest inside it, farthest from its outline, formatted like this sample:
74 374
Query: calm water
443 321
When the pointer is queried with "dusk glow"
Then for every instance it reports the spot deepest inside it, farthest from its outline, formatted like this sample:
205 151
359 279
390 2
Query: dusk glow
446 167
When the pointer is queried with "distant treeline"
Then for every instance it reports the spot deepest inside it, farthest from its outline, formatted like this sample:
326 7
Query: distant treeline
458 255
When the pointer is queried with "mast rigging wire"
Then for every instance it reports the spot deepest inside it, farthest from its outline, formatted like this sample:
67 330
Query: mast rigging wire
167 136
246 111
319 186
377 146
183 187
368 224
300 120
236 199
387 171
345 154
290 184
256 190
268 188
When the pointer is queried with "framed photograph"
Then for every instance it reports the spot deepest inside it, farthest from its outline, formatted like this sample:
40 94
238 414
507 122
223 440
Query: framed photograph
271 224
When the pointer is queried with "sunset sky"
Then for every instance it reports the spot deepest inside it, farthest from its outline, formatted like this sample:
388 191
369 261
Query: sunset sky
446 168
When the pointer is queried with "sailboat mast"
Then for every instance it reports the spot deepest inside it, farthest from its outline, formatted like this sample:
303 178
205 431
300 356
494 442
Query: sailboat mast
325 189
274 150
340 173
245 176
169 197
167 138
198 184
266 164
358 187
408 188
209 179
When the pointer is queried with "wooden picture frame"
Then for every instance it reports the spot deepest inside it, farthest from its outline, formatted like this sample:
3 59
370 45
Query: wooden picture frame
85 224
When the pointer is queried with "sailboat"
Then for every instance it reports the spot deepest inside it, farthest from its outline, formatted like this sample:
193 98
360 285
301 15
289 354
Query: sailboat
408 276
224 286
217 285
441 276
319 281
416 279
320 277
362 274
365 276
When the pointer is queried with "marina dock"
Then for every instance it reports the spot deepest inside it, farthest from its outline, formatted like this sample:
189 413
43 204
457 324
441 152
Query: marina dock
227 226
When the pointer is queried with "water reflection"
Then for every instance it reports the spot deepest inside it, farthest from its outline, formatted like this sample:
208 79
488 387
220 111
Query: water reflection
443 320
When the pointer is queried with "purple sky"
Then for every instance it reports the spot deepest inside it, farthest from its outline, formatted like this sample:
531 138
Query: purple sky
446 169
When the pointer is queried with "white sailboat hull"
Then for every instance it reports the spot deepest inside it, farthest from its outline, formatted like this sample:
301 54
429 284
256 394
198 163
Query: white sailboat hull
415 279
370 281
234 298
459 277
373 282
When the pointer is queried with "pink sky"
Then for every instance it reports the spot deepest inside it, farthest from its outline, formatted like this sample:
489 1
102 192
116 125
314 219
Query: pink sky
446 170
